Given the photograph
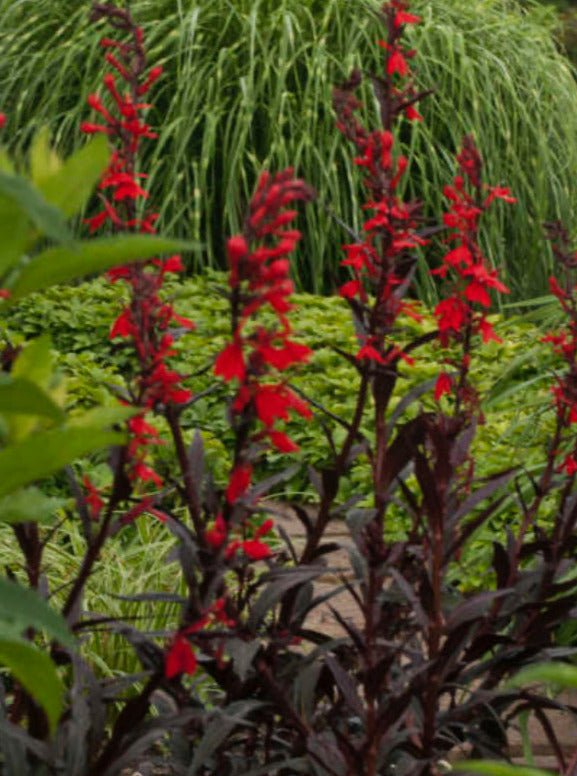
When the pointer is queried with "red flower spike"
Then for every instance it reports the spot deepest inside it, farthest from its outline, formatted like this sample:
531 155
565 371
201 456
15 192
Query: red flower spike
180 658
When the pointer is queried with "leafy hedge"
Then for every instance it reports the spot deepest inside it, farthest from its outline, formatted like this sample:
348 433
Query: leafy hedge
248 85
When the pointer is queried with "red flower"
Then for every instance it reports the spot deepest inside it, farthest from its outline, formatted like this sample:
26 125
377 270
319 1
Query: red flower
93 499
569 466
180 658
371 353
256 550
230 363
123 326
487 331
397 64
217 535
402 17
239 483
476 292
2 120
145 474
237 249
282 442
442 386
452 314
351 289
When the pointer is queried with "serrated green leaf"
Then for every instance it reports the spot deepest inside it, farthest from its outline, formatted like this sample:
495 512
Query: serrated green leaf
44 161
21 608
29 505
20 396
37 674
60 265
47 452
46 218
70 186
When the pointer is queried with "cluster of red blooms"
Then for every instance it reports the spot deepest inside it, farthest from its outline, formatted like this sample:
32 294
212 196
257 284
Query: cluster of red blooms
259 278
392 229
146 320
565 342
457 315
180 657
218 536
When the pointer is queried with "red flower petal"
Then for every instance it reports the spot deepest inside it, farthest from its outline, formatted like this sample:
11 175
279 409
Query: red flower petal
238 483
230 363
256 550
180 659
283 443
443 385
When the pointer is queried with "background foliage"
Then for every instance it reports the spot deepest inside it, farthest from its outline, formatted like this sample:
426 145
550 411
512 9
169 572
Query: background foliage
253 91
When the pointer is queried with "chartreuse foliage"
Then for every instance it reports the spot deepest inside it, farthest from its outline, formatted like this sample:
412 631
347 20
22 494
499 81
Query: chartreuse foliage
37 437
248 85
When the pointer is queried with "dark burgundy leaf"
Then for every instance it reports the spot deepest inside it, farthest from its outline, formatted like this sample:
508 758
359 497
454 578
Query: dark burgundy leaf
346 684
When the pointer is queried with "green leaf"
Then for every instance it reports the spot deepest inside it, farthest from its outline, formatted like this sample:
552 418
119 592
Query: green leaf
70 187
44 161
101 417
551 673
497 768
60 265
20 396
14 234
21 608
47 452
46 218
26 506
35 365
37 674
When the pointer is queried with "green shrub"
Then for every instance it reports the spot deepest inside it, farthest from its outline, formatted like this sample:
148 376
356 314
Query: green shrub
248 85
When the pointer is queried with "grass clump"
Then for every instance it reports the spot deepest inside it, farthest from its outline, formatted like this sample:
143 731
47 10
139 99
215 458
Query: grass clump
248 86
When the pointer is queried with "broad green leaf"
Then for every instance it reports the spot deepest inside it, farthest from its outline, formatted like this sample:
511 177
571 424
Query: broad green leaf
47 452
35 362
6 164
14 234
551 673
70 186
103 417
21 608
497 768
44 161
20 396
60 265
37 674
46 218
29 505
35 365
